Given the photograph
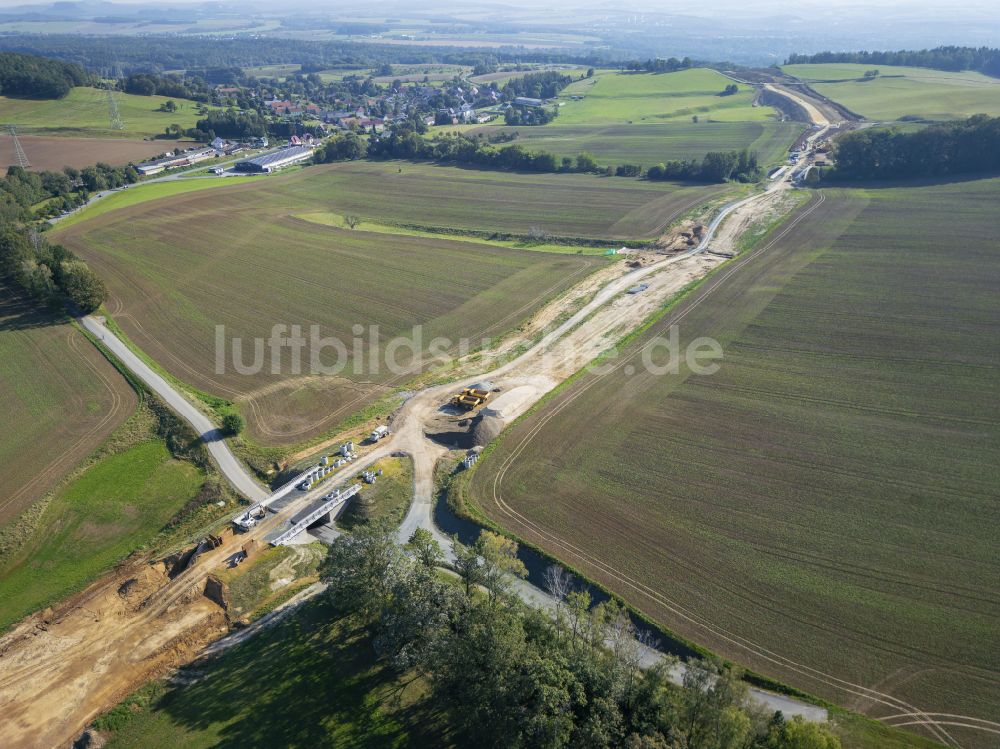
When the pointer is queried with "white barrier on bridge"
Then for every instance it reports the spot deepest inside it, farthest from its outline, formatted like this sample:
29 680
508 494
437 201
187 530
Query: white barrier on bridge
331 501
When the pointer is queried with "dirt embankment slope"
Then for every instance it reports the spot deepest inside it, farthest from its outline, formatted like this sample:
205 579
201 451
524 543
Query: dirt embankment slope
62 667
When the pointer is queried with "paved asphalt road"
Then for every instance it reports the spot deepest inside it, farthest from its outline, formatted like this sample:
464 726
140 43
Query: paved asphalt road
228 463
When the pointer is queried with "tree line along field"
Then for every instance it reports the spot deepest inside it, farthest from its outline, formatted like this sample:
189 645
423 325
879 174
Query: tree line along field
61 398
238 256
611 97
823 509
649 144
903 92
84 113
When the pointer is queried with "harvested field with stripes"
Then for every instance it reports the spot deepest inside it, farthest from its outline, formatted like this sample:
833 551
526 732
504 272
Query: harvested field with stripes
823 509
61 398
238 257
53 153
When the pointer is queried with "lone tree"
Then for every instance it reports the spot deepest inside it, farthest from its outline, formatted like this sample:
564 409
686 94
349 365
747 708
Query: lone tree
83 287
233 423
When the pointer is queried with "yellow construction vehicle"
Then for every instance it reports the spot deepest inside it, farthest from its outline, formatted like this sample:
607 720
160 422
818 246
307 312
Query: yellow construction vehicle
470 398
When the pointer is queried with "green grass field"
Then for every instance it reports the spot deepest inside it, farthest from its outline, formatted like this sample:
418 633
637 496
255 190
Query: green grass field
237 256
822 509
903 92
389 497
102 515
316 683
61 399
84 111
645 98
649 144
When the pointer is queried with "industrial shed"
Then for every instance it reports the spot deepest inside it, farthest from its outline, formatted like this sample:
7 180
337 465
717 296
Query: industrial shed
273 161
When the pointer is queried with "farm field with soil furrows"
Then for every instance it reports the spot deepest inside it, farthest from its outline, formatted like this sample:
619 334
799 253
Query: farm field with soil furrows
823 508
53 153
567 205
179 266
61 399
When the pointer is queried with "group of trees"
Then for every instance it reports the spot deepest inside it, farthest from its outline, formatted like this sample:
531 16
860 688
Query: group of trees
208 55
407 143
524 115
229 123
659 65
961 147
49 272
150 84
512 676
542 85
715 166
983 59
20 189
37 77
341 147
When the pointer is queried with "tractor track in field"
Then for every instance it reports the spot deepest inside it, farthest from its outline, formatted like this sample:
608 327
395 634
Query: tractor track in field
70 454
574 551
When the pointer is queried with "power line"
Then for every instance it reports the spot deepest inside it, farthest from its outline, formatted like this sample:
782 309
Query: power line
114 118
19 154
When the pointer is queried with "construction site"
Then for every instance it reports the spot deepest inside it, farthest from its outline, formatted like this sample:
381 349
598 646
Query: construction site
80 658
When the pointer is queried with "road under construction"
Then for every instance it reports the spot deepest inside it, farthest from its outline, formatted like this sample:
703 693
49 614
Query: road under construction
68 674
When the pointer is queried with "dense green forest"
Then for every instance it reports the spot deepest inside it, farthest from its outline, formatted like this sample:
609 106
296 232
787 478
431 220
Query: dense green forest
950 148
542 85
150 84
37 77
49 272
983 59
513 676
